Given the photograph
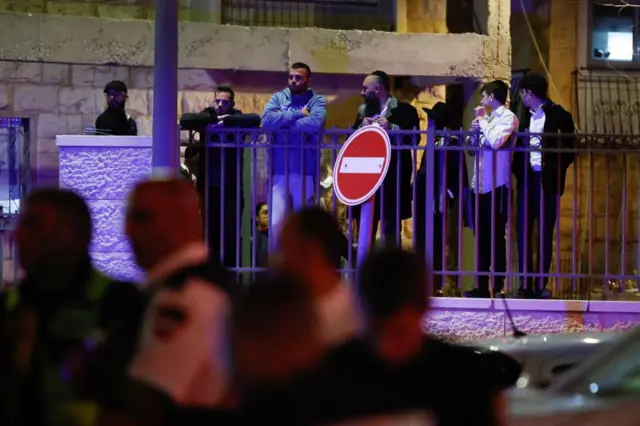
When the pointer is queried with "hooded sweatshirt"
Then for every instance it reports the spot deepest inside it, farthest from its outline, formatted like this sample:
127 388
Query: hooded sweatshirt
284 111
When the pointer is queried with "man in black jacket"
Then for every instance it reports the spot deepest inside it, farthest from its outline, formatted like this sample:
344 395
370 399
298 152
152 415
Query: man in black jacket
219 175
393 199
541 178
115 121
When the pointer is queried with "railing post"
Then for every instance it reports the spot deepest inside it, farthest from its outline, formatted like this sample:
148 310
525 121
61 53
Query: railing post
430 152
165 148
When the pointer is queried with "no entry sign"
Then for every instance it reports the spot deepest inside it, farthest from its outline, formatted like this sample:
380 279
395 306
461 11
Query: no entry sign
362 165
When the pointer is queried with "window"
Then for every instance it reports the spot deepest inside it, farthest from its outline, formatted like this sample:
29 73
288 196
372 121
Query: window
614 35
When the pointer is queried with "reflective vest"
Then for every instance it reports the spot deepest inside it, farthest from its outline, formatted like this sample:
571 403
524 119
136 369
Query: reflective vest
75 322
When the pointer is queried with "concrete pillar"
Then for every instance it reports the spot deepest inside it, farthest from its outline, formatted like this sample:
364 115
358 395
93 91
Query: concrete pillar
165 149
493 19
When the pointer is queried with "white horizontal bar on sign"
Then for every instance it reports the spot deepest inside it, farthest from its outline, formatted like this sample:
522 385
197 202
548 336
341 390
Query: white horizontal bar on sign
362 165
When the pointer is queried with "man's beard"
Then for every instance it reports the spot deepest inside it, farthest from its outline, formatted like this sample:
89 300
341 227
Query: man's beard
372 105
298 90
116 105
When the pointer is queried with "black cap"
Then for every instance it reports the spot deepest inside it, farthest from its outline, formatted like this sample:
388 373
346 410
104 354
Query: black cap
115 86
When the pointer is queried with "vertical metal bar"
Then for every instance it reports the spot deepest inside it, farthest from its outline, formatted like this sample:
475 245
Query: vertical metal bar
165 87
623 213
430 152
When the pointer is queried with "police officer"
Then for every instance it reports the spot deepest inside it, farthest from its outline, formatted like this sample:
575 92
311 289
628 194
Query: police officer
179 359
52 315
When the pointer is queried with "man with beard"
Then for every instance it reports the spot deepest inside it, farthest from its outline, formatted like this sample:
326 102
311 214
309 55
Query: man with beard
219 172
383 109
303 113
115 120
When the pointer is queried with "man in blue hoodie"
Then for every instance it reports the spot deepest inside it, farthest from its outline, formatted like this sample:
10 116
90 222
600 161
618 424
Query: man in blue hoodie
300 114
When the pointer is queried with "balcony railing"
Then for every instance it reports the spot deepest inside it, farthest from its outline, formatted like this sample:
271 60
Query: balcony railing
589 249
333 14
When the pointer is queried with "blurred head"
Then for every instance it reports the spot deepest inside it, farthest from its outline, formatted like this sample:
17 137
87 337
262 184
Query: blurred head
262 216
225 100
299 78
376 87
162 218
494 94
310 244
116 94
54 230
533 90
274 332
392 286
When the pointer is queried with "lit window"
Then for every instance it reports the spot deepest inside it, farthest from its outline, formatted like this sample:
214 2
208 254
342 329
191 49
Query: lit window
613 31
620 46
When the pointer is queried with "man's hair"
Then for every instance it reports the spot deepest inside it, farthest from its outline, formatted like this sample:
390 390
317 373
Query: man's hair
319 226
227 89
391 279
70 206
259 207
383 79
537 84
301 65
274 308
498 88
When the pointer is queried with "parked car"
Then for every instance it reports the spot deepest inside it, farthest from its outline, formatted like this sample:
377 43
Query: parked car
602 391
543 357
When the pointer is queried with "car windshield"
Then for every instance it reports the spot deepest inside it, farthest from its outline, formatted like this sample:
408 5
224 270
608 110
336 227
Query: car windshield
613 371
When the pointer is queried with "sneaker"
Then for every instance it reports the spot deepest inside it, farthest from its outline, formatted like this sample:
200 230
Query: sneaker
544 294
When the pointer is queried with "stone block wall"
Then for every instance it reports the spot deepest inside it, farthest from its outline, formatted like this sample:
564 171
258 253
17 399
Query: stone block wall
65 98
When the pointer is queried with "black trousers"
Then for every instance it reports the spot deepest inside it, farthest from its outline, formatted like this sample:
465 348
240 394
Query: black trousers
489 211
535 203
224 221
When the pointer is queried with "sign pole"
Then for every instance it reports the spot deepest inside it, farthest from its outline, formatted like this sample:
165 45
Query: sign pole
361 166
365 229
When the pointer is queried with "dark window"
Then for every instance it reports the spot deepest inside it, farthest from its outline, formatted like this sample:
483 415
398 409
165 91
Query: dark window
334 14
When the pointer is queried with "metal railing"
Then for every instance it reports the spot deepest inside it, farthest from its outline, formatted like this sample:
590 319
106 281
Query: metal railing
15 181
333 14
589 247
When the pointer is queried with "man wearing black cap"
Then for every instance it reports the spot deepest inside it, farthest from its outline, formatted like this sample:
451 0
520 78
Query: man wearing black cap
115 121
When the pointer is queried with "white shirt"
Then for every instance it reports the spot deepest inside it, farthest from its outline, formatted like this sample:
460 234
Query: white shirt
339 315
536 126
185 358
495 132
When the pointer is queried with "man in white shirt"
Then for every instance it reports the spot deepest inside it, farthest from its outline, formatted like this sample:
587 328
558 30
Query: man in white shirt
541 178
180 359
490 184
311 246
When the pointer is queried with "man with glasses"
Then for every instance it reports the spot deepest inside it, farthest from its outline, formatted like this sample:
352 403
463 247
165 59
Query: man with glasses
115 121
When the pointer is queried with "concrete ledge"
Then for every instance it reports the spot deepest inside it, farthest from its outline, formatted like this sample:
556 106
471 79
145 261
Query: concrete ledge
460 319
65 39
104 141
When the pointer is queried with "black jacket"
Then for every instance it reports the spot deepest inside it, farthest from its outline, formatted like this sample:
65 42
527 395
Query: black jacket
116 122
405 116
216 157
554 164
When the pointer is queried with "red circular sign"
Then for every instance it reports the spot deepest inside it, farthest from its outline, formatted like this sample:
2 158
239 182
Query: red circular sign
362 164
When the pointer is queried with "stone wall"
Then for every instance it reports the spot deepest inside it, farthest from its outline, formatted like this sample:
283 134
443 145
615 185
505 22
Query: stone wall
65 98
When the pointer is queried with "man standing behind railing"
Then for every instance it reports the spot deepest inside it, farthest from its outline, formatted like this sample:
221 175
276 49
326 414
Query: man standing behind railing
490 184
296 110
393 200
541 178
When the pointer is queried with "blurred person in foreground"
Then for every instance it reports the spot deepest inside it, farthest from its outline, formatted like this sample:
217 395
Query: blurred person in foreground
179 359
58 311
394 373
275 335
393 199
311 246
541 178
